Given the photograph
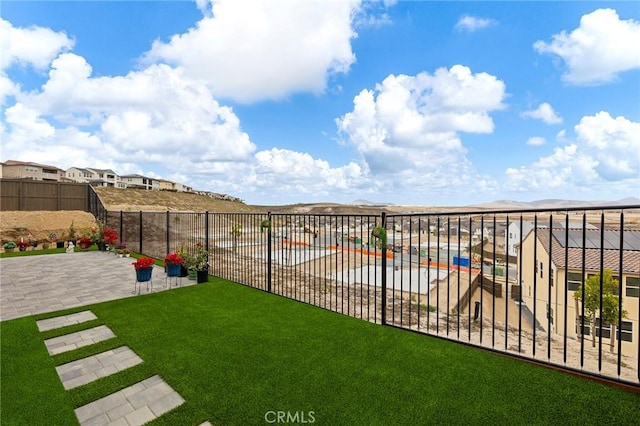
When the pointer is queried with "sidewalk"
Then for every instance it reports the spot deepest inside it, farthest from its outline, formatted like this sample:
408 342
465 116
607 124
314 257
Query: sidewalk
47 283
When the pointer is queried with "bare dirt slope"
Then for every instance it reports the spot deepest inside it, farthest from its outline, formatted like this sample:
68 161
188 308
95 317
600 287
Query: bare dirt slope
39 224
140 199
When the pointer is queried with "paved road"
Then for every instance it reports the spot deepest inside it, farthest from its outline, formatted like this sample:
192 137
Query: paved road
46 283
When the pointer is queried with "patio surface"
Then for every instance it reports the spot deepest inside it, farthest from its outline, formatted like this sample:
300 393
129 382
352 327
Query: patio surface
47 283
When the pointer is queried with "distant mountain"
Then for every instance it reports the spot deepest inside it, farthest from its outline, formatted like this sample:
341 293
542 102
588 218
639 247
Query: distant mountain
369 203
556 203
629 201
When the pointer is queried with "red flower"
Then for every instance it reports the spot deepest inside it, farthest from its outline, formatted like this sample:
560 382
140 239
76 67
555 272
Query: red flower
85 242
110 236
143 262
173 259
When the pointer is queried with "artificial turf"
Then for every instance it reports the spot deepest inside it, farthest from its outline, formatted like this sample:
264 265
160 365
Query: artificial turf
236 355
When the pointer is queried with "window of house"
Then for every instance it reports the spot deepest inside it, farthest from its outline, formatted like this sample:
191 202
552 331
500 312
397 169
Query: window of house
574 279
550 313
633 287
586 330
625 331
616 290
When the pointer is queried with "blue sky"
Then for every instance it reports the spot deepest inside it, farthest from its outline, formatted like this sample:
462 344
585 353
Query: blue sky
414 103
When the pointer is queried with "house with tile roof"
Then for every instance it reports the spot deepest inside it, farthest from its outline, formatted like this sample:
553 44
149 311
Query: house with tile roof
552 263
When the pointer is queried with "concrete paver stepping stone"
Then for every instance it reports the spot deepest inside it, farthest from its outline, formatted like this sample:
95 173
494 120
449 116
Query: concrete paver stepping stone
87 370
134 405
69 342
65 320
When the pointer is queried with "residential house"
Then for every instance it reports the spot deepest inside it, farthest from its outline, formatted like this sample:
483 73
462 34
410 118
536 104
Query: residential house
12 169
95 177
140 182
513 233
548 257
167 185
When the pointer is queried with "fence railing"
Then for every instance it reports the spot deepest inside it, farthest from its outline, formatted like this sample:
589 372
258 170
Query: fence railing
533 284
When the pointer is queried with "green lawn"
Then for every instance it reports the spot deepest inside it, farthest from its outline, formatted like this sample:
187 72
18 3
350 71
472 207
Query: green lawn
235 353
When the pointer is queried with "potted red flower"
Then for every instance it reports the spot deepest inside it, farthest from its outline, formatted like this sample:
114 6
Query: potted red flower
22 245
110 236
143 263
173 262
144 268
84 243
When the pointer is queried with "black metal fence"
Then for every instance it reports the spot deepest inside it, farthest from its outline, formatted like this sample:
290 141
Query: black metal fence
555 287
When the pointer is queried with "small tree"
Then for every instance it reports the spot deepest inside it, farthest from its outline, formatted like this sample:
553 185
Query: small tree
236 232
608 313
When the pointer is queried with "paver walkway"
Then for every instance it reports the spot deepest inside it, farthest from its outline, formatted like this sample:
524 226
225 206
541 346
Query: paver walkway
47 283
87 370
134 405
65 320
69 342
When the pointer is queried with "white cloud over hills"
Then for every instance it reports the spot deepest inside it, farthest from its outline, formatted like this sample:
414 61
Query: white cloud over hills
405 134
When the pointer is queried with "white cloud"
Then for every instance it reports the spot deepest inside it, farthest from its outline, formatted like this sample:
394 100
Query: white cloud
605 155
545 113
407 129
34 46
614 142
254 50
472 23
598 50
536 141
155 115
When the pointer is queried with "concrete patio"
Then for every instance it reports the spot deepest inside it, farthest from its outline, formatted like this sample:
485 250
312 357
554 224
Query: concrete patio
47 283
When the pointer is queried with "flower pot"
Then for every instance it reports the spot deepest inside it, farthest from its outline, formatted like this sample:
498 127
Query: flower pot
59 244
183 271
173 270
193 274
9 250
143 274
22 248
202 276
102 246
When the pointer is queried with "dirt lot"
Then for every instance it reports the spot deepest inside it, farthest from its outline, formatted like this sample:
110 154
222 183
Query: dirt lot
28 225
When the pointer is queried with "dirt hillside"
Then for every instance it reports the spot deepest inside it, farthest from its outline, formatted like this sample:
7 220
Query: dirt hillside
27 225
15 225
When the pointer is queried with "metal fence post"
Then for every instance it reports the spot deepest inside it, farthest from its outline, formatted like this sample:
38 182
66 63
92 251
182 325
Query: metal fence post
167 236
140 231
269 253
206 232
384 274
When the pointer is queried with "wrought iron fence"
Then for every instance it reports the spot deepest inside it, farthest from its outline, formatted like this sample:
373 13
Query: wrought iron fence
555 287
